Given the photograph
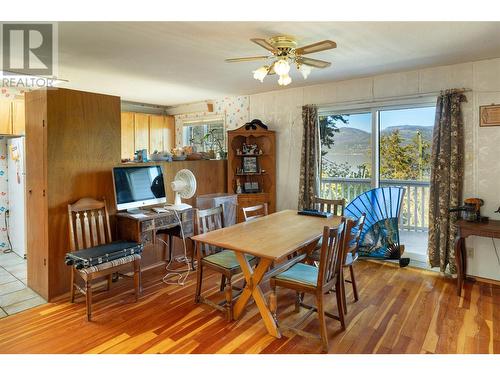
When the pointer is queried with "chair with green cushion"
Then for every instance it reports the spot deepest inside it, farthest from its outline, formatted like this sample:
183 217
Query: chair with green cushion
219 260
318 281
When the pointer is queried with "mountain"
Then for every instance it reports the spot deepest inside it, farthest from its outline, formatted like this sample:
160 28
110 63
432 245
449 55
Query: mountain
353 142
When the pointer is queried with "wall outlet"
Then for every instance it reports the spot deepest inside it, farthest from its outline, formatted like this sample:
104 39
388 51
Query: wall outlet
470 252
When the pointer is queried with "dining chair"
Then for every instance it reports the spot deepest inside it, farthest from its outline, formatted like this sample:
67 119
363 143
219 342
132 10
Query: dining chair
335 206
217 259
254 212
307 279
352 246
89 227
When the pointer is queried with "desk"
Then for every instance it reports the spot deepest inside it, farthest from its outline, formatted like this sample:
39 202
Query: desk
490 229
146 228
271 238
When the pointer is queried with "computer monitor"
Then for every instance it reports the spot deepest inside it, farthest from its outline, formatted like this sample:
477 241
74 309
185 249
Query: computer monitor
138 186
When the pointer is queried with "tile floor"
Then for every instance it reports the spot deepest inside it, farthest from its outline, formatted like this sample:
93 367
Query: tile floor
15 296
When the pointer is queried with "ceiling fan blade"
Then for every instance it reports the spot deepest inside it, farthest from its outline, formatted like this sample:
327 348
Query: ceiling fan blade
243 59
264 44
314 63
316 47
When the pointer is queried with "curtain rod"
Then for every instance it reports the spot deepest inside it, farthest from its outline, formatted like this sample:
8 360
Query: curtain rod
386 99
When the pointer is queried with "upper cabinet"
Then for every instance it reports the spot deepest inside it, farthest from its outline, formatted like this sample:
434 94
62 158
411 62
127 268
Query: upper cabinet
146 131
12 117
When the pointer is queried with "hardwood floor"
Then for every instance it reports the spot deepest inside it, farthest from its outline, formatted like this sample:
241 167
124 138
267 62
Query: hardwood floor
400 311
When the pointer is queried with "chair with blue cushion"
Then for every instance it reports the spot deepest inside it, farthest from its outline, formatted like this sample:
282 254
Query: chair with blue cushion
318 281
217 259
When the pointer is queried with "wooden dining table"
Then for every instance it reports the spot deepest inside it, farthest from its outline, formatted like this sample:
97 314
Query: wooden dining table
272 239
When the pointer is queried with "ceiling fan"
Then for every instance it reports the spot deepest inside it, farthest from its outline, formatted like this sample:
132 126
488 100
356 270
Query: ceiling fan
284 51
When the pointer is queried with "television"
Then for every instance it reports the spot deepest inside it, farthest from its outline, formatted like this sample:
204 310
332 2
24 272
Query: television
138 186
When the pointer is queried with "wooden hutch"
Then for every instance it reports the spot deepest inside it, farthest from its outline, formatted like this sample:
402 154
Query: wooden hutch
252 166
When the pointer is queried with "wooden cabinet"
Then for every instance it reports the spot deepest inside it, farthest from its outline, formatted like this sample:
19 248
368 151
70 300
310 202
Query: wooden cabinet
127 135
264 161
12 117
72 144
156 125
141 131
146 131
18 117
169 133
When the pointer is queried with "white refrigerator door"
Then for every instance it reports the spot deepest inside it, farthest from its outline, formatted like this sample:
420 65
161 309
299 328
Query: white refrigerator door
16 176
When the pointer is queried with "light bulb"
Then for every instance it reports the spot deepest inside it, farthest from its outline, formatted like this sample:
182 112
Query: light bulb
305 70
281 67
284 80
260 73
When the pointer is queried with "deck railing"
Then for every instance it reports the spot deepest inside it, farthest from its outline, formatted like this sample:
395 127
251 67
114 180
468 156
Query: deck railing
415 211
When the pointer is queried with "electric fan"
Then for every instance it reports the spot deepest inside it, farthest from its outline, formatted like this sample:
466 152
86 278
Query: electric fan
380 234
184 186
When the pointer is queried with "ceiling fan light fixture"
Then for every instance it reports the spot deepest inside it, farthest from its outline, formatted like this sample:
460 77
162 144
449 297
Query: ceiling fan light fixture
282 67
305 70
261 73
284 80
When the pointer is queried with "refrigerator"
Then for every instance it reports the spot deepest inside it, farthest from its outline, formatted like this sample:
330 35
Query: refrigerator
16 190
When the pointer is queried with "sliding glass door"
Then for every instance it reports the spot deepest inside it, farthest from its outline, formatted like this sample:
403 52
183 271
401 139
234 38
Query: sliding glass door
381 146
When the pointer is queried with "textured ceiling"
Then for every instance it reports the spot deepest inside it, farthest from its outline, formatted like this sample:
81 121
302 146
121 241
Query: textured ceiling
171 63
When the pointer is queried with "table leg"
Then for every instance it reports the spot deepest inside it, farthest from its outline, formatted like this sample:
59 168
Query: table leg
252 289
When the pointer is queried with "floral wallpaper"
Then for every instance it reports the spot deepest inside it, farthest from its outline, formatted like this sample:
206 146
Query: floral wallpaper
4 197
234 109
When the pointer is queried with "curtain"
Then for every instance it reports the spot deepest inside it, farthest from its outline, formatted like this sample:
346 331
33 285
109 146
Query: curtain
446 179
311 158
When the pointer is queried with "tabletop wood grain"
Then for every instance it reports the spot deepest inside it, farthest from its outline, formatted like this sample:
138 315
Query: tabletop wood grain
272 237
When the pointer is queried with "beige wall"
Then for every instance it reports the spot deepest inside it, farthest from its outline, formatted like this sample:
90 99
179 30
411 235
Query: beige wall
281 110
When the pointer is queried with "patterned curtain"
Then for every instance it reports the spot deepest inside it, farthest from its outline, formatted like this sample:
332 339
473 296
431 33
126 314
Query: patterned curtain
311 158
446 178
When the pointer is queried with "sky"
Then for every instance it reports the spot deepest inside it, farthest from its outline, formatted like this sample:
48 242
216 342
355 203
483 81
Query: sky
423 116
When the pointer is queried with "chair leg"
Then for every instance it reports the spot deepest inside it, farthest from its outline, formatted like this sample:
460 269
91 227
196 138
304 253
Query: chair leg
88 294
353 281
222 283
72 290
298 300
137 278
340 303
199 276
342 290
110 280
273 303
229 299
322 323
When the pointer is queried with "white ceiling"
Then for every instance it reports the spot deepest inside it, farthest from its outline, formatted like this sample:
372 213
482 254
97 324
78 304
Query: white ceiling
170 63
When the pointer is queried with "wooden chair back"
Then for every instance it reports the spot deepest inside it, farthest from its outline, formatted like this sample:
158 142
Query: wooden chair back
354 235
332 250
206 221
254 212
335 206
88 224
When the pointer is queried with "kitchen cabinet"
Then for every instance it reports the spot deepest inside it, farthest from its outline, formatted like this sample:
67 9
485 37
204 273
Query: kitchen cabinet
12 117
146 131
127 135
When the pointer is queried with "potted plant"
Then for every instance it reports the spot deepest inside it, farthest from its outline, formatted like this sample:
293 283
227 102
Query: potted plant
215 144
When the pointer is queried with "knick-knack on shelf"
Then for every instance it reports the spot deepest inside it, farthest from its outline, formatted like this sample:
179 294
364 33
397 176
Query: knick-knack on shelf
238 187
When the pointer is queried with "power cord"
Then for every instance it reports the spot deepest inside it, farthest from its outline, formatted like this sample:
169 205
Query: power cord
496 251
6 222
181 275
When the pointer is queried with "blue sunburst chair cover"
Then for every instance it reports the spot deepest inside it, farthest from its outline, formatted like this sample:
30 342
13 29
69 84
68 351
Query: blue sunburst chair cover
380 234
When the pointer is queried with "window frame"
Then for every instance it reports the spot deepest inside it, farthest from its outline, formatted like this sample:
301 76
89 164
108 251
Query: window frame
375 108
202 121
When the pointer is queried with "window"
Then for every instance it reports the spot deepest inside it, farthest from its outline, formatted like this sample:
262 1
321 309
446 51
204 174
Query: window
205 135
381 146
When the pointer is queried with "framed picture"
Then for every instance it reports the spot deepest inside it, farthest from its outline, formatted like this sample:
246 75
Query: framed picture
251 187
489 115
250 164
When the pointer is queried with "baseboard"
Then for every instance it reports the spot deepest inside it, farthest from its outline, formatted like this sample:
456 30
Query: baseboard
483 280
